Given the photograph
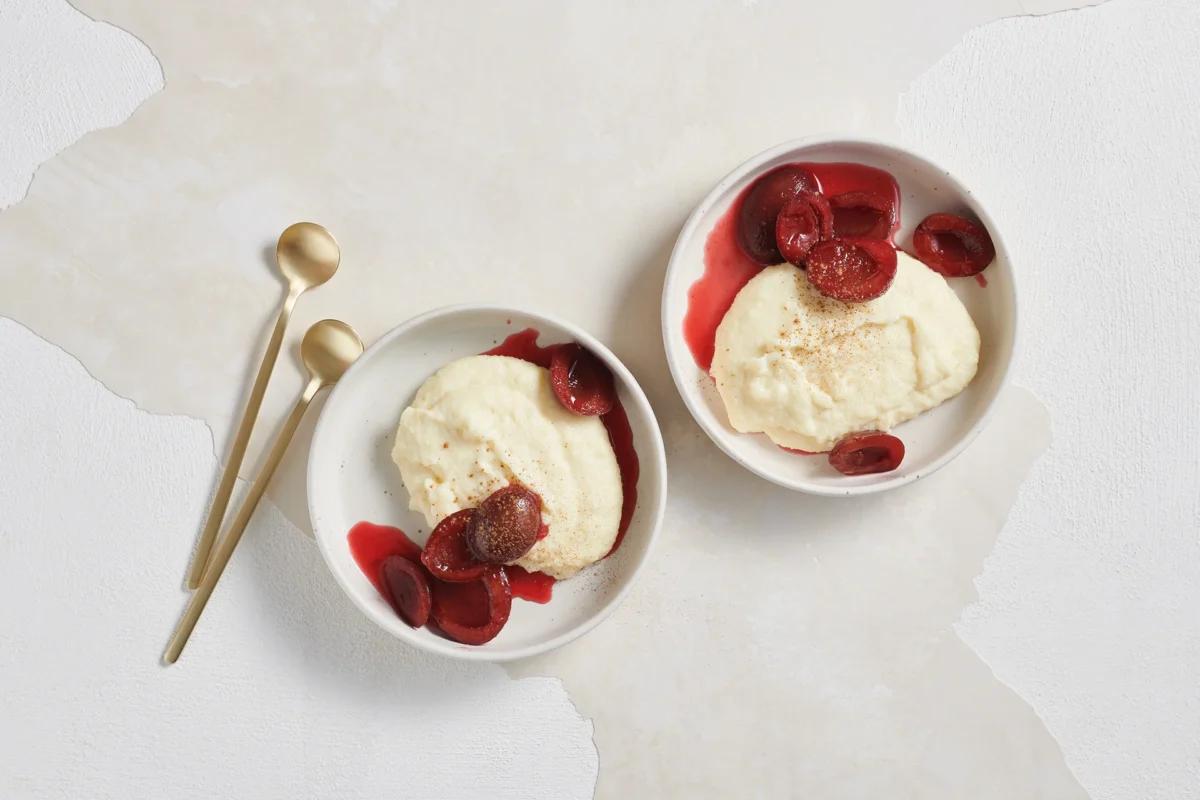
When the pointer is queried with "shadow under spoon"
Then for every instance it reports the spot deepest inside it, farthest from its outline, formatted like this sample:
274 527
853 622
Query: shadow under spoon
328 349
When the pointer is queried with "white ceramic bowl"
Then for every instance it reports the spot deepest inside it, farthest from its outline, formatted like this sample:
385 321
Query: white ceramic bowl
351 476
932 439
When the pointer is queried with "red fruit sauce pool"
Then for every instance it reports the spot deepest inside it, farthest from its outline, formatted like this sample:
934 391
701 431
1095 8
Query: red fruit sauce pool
533 586
370 544
727 268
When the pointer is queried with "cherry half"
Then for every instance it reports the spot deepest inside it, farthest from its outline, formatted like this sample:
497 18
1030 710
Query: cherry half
473 613
952 245
802 222
852 270
447 555
868 215
866 453
406 589
581 382
505 525
761 206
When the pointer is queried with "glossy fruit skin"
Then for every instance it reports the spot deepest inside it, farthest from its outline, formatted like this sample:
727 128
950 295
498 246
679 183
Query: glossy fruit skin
953 246
802 222
867 453
760 207
447 555
581 381
475 612
505 526
852 270
865 215
406 589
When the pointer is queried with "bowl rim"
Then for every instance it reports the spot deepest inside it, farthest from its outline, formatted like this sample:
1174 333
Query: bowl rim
689 231
652 462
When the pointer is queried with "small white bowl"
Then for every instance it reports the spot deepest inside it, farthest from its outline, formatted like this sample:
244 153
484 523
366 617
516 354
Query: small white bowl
351 476
931 440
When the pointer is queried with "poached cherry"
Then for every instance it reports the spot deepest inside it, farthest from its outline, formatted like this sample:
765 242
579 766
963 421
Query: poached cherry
952 245
866 453
852 270
761 206
505 526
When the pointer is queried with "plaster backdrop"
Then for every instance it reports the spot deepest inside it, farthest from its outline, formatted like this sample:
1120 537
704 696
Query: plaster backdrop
437 146
64 75
1081 129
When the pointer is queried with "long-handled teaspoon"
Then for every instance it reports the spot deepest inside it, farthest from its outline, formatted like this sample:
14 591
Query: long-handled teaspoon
307 256
328 349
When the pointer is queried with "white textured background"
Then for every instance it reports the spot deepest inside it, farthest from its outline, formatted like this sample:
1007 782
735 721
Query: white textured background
1084 130
1079 127
63 75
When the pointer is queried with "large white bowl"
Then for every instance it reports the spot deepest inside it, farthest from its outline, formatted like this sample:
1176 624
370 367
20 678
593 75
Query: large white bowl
351 476
932 439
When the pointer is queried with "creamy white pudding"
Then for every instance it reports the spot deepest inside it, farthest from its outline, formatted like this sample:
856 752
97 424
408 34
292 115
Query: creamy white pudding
484 422
807 370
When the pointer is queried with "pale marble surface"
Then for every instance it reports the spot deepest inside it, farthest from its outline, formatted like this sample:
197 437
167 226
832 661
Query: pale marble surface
799 646
437 152
438 145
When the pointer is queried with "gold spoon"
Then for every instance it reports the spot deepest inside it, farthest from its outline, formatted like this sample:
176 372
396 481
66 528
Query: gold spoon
328 350
307 256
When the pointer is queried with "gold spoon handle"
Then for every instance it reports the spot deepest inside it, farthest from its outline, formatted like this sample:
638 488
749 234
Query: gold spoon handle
231 538
216 514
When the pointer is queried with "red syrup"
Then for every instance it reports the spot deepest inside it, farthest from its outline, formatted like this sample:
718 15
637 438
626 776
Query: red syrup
370 544
468 603
616 422
727 268
536 587
523 345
